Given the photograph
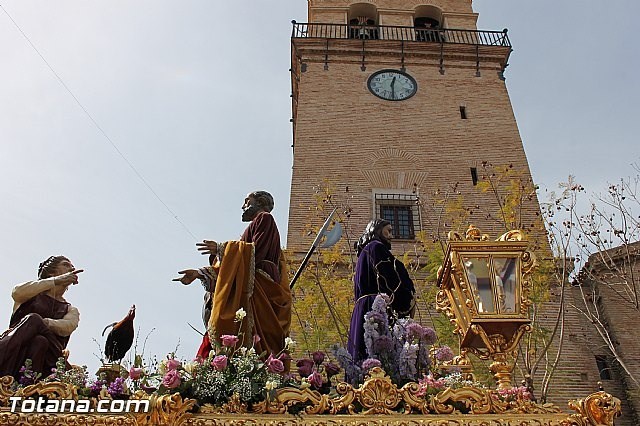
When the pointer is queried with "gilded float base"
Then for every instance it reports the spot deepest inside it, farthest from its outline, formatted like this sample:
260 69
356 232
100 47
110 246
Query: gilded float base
294 420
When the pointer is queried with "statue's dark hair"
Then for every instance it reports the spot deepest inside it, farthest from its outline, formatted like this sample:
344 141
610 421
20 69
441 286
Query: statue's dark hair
371 232
47 267
263 199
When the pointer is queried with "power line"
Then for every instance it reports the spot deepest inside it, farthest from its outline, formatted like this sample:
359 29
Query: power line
95 123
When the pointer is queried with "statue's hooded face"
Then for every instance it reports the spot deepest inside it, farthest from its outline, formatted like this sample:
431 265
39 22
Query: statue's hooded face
386 234
250 208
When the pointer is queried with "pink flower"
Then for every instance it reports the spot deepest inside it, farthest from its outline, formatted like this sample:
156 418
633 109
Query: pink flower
171 380
305 367
135 373
219 362
229 340
173 364
369 363
315 379
285 357
256 339
274 365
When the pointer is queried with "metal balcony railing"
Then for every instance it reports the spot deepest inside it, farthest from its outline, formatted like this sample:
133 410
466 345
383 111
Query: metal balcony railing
385 32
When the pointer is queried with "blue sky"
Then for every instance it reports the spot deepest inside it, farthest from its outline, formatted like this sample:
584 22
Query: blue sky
195 94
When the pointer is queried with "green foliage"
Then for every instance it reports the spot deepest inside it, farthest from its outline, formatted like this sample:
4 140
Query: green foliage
322 303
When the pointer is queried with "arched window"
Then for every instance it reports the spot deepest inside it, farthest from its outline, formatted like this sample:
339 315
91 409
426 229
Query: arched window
427 22
363 21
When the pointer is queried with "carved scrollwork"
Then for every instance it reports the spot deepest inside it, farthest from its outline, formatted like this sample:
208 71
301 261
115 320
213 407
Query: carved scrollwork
413 399
454 236
529 407
443 304
378 394
515 235
51 390
345 401
598 409
477 401
529 262
497 343
165 409
474 234
317 403
6 391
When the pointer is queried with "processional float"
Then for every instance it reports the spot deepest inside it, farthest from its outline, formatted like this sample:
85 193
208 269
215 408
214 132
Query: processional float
483 290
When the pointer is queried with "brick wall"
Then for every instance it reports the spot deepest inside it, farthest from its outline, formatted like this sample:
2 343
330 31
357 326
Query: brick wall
346 135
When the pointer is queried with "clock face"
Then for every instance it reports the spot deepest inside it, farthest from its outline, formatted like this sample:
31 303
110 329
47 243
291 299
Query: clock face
392 85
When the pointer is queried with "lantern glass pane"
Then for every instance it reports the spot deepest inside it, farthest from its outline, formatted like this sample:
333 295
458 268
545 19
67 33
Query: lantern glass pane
477 270
506 269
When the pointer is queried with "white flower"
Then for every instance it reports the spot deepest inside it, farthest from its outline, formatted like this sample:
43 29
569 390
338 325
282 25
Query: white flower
289 344
270 385
240 314
189 366
304 383
162 368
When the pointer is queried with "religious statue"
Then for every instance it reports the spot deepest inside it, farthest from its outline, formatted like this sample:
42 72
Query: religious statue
42 320
377 272
248 274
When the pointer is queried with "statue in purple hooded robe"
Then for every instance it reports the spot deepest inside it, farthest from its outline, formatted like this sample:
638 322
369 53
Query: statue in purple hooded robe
377 272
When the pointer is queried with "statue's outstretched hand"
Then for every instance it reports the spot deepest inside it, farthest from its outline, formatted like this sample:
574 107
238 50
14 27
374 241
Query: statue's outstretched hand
70 277
207 247
188 276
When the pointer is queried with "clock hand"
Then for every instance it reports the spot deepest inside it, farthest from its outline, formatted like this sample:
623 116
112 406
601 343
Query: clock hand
393 90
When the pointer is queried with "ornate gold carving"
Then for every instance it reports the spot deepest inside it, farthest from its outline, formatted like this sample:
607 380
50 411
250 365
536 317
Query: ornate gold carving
5 390
377 396
165 409
443 304
515 235
598 409
477 401
287 397
474 234
51 390
454 236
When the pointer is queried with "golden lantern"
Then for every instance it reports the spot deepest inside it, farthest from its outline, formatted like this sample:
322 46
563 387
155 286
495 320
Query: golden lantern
484 291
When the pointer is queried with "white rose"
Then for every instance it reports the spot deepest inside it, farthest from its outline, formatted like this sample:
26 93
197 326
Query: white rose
289 343
240 314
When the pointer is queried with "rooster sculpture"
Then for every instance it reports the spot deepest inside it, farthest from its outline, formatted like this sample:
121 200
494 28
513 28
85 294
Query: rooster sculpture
120 338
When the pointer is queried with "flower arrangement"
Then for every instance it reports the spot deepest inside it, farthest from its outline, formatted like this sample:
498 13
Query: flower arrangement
228 371
316 372
27 375
431 384
516 393
399 345
74 375
78 377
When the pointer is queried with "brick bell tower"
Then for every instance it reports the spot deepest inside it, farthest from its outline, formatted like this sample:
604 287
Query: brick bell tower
395 98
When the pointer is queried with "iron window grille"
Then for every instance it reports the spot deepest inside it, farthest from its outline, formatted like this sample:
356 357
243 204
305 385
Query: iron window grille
402 211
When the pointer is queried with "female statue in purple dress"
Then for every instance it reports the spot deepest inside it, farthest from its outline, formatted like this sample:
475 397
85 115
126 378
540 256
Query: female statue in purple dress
377 272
